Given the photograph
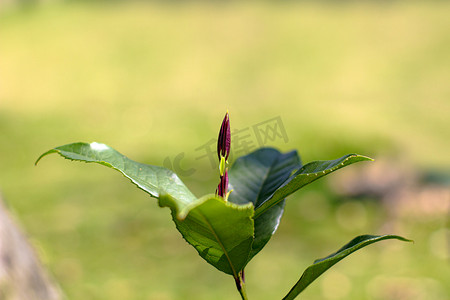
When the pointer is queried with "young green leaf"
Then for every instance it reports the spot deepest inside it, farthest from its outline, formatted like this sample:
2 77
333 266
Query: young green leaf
221 232
322 265
307 174
152 179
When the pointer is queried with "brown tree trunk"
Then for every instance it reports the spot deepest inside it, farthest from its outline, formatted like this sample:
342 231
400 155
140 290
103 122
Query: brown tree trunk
22 276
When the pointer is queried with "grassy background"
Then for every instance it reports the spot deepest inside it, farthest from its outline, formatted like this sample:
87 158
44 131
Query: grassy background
154 80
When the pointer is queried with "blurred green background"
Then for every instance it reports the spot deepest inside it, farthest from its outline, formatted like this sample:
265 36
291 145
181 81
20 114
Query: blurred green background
154 79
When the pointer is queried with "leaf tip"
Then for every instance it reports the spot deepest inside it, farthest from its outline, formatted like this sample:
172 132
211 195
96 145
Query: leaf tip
363 157
368 158
406 240
44 154
37 160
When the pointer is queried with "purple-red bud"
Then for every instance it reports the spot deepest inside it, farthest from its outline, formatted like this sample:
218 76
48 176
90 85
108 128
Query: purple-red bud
222 188
224 141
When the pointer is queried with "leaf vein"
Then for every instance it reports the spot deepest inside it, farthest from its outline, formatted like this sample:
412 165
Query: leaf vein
219 242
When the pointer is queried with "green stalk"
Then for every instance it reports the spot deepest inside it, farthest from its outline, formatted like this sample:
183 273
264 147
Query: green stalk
240 285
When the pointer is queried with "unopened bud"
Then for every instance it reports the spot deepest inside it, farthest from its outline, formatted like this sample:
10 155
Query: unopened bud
223 143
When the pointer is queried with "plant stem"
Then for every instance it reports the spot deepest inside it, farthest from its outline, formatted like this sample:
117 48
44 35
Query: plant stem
240 285
243 293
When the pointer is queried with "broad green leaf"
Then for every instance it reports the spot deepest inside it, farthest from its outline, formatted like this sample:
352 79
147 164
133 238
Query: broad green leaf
305 175
221 232
256 176
151 179
322 265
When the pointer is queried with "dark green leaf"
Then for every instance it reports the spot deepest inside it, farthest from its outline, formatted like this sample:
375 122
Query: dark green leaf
322 265
307 174
253 178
